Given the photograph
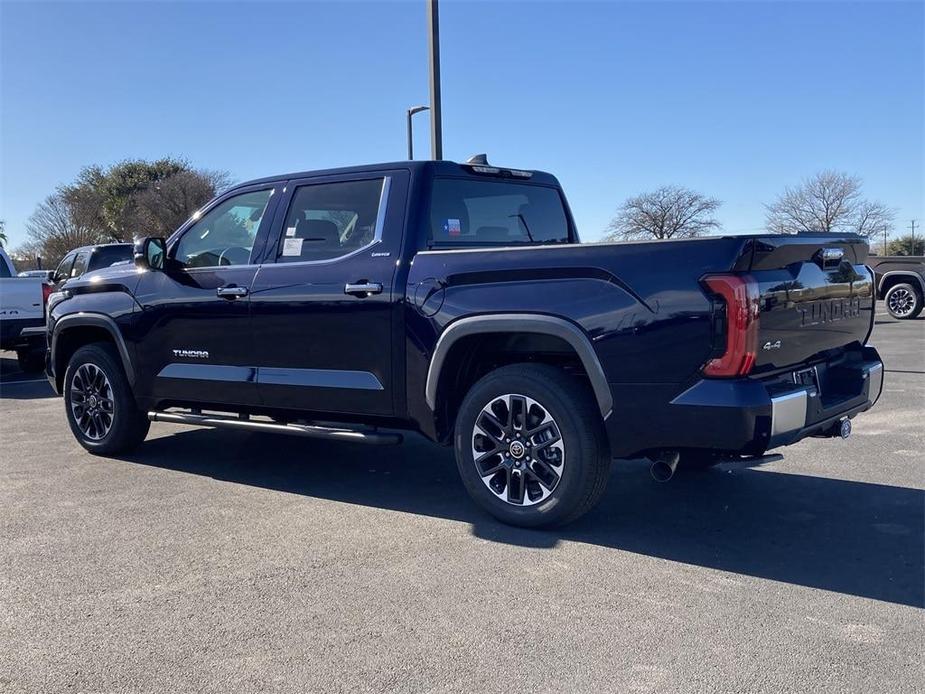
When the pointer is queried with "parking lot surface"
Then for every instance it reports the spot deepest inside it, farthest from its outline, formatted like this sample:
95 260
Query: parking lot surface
220 561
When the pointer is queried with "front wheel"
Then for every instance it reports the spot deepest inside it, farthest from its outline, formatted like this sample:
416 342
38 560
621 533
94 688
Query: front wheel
98 400
530 446
903 301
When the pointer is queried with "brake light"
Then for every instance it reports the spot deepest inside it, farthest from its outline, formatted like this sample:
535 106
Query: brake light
46 292
740 292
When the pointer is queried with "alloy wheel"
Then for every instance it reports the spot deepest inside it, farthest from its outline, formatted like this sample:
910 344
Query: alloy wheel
92 401
901 302
518 449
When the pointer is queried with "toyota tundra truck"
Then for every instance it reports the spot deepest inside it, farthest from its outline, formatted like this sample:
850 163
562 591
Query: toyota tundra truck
456 300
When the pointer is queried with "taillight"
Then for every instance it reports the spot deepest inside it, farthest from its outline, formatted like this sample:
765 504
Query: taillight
47 289
740 292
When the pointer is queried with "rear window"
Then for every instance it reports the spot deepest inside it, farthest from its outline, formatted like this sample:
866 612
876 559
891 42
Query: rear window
467 212
108 255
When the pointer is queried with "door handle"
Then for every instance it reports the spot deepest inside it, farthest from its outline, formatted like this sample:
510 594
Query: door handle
363 288
231 292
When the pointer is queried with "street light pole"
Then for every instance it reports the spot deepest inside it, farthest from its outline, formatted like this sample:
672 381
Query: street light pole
436 126
411 112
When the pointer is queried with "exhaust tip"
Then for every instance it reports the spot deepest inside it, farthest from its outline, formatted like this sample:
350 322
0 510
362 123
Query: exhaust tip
844 428
664 466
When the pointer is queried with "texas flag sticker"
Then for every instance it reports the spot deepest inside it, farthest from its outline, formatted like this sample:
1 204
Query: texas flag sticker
452 227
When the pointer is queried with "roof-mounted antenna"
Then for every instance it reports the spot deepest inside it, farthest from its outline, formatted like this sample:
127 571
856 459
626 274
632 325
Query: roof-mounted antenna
478 160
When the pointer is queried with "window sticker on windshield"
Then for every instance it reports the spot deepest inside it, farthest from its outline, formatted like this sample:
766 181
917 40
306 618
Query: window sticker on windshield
452 227
292 247
290 231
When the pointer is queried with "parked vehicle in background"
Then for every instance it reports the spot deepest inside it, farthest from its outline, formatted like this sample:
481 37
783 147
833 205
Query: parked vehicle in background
456 300
900 283
45 275
89 258
22 315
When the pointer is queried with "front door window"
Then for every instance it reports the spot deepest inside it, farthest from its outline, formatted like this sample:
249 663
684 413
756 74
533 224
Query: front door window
226 234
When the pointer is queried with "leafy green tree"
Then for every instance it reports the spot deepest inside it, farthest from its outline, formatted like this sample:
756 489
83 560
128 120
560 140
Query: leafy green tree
120 200
904 246
129 199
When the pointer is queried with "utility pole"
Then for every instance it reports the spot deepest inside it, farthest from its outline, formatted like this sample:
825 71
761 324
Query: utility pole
436 126
912 227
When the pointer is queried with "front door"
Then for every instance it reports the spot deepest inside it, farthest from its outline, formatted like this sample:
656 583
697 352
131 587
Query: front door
195 342
324 304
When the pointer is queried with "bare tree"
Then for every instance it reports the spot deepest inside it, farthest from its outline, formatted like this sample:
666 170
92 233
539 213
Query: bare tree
55 229
3 238
668 212
830 201
163 206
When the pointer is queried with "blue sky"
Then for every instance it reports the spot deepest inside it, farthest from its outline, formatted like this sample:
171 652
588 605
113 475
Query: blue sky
734 99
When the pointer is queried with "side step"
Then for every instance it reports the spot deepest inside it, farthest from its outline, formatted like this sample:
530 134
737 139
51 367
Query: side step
358 435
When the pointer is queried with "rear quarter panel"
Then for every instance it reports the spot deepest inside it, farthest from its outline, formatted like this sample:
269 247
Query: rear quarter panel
640 303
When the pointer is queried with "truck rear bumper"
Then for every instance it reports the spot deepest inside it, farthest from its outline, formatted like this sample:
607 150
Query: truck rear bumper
744 416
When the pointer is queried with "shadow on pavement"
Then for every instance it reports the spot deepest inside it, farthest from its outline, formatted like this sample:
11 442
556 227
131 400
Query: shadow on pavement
850 537
17 385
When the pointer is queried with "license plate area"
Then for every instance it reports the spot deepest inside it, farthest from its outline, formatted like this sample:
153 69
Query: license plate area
807 377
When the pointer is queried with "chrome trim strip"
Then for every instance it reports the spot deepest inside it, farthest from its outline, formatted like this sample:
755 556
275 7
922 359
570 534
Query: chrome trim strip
383 205
209 372
875 383
788 413
311 378
319 378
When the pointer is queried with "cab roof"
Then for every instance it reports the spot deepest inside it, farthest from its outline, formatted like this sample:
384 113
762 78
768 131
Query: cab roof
421 167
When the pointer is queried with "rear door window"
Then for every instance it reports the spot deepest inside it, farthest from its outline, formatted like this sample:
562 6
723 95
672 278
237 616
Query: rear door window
330 220
108 255
469 212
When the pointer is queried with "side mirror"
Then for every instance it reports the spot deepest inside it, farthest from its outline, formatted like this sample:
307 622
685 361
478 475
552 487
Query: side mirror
150 253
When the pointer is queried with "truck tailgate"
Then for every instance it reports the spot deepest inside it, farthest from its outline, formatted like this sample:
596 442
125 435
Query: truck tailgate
814 294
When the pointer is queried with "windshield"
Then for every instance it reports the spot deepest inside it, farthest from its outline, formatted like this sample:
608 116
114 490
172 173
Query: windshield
470 212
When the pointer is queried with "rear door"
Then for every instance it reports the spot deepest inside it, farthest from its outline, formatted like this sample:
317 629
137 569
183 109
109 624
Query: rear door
324 305
194 333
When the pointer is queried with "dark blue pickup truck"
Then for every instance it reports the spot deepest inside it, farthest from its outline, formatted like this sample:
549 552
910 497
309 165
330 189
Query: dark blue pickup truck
455 300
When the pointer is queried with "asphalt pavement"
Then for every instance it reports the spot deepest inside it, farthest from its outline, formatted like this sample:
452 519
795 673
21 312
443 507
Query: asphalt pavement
218 561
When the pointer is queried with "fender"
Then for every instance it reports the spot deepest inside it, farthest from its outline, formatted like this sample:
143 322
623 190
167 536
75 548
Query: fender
97 320
903 273
521 323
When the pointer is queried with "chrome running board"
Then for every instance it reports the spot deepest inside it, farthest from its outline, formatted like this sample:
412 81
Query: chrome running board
338 433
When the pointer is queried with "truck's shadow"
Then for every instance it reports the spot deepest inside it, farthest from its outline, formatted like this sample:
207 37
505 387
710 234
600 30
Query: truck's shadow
850 537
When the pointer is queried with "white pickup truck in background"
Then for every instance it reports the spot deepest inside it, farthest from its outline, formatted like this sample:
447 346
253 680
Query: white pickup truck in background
22 315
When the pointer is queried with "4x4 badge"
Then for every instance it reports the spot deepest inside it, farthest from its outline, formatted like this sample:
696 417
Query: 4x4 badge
771 345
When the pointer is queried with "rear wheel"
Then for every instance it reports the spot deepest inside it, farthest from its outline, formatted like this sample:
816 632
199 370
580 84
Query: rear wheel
100 407
530 446
903 301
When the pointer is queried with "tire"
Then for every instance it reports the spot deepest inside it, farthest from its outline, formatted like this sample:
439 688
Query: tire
31 360
554 402
903 301
100 379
